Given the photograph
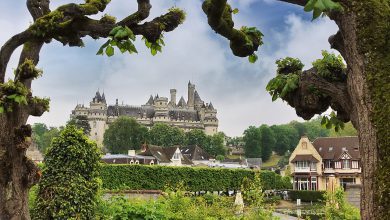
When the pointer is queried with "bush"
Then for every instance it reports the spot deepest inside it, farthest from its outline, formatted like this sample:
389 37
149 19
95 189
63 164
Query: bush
337 208
69 185
135 177
307 196
121 177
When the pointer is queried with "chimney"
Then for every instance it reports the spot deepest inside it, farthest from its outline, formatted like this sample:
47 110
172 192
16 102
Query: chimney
173 96
131 153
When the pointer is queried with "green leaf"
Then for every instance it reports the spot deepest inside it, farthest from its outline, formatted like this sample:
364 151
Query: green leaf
114 30
153 51
100 52
252 58
316 13
13 96
323 120
310 5
1 109
235 11
130 33
110 51
121 34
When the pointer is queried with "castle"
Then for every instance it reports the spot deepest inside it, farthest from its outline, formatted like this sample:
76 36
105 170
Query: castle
193 114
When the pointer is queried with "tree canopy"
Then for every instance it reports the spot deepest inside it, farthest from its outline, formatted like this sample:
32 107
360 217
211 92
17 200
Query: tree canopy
124 134
161 134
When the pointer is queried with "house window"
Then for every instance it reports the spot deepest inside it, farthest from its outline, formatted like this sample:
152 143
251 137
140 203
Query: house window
302 164
302 183
137 162
328 164
346 164
313 183
176 156
151 162
345 181
337 165
304 145
313 166
131 161
355 164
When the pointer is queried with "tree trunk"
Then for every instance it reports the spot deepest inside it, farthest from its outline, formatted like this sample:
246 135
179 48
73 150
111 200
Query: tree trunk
17 172
366 49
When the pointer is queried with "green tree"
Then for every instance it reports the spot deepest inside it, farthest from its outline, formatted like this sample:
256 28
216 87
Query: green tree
165 135
47 138
214 145
267 141
124 134
348 130
286 138
81 121
38 130
314 129
196 137
252 139
70 181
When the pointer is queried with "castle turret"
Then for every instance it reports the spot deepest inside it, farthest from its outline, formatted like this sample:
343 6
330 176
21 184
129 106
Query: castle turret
191 95
161 109
210 120
97 116
173 97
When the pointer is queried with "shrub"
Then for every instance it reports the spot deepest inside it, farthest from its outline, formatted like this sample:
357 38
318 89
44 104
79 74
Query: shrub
307 196
337 208
69 185
271 180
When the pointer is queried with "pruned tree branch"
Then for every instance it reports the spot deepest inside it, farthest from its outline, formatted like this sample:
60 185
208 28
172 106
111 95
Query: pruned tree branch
336 42
37 107
219 15
38 8
144 7
316 94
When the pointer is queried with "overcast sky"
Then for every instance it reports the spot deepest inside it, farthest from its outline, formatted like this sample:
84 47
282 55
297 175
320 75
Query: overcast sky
192 52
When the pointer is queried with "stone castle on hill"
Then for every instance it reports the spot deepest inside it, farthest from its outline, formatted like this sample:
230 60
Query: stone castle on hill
193 114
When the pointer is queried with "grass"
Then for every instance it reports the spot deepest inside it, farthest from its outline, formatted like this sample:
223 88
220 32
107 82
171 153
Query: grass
273 161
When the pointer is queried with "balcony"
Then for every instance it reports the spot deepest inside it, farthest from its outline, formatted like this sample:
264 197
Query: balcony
302 170
329 170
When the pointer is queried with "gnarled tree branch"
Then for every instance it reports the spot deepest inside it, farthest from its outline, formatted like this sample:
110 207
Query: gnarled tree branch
316 94
144 7
38 8
296 2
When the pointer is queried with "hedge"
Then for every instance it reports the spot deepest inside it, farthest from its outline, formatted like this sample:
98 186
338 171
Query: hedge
143 177
307 196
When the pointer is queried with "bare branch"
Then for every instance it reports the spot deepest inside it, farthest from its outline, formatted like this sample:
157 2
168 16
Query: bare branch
9 47
144 7
38 8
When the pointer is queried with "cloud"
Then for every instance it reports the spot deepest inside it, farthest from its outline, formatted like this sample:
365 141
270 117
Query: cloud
192 52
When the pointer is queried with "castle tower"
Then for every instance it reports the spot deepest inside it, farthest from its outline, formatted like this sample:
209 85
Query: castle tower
210 120
191 95
161 109
97 115
173 97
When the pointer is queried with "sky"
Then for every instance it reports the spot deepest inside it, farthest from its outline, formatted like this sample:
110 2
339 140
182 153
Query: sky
193 52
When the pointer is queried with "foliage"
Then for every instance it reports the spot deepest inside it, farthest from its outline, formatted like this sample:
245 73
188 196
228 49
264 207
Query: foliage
155 46
178 206
215 145
70 181
134 177
267 142
289 65
220 157
256 34
43 136
196 137
348 130
12 93
307 195
81 122
287 77
285 159
124 134
330 67
162 134
286 137
322 7
271 180
337 208
332 121
120 37
252 139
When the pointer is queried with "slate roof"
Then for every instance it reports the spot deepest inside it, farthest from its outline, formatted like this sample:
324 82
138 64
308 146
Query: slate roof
183 114
182 102
163 154
331 148
194 152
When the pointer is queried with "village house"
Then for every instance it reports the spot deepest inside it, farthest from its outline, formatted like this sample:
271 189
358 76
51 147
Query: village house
170 156
197 155
326 163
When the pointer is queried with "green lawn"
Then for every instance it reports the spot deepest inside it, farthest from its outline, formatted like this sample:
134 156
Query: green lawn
273 161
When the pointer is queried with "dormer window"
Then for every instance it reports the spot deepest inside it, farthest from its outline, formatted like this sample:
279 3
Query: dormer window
346 164
330 149
304 145
176 156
